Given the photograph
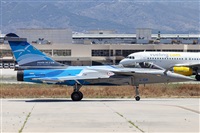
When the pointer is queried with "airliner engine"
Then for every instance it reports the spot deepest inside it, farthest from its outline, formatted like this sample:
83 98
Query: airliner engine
183 70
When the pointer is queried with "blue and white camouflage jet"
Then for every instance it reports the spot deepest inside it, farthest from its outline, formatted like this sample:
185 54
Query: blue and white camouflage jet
34 66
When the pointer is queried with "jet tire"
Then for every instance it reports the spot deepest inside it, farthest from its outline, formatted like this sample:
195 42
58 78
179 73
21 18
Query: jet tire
137 98
76 96
197 77
81 94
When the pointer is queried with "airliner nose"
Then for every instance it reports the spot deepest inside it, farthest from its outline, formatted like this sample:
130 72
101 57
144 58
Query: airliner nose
124 61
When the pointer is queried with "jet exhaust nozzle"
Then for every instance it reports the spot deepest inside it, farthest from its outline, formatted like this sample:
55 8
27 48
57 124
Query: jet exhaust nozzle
20 75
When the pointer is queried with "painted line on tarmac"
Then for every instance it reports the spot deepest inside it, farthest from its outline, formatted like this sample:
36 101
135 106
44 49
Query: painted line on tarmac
195 111
129 121
26 120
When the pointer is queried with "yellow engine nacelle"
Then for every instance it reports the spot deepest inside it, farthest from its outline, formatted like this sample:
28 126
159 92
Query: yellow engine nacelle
183 71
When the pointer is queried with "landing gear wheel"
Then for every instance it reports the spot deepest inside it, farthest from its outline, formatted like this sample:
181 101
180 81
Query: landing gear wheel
76 96
137 98
197 77
81 94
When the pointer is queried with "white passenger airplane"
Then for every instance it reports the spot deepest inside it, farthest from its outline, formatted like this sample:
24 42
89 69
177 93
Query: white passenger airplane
185 63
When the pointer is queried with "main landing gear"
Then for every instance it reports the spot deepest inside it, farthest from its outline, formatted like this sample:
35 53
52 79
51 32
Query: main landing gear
197 77
137 97
77 95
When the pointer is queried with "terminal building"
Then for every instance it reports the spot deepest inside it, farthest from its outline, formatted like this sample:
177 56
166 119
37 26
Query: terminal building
97 46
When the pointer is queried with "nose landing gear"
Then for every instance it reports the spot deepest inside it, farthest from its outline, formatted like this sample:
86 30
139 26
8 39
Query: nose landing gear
137 97
77 95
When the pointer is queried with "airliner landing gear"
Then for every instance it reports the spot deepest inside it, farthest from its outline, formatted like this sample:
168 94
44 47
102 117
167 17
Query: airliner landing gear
77 95
197 77
137 97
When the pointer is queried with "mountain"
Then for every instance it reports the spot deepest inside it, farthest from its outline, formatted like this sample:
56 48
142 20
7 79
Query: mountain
124 16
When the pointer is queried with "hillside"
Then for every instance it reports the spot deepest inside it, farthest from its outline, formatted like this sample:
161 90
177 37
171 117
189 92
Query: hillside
123 16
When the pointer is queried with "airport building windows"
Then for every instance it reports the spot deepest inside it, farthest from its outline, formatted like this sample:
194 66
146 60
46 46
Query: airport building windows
150 50
125 53
64 52
193 50
172 50
118 52
47 52
1 40
102 52
5 53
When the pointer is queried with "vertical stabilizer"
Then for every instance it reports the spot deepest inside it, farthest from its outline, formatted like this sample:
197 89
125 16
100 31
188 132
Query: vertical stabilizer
27 56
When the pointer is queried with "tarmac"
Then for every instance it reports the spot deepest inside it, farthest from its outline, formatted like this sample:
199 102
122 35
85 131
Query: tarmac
100 115
7 73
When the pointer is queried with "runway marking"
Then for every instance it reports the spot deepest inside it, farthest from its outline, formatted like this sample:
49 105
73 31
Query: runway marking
129 121
192 110
26 120
195 111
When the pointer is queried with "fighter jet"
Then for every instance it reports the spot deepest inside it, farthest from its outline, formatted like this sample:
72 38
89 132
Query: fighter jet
34 66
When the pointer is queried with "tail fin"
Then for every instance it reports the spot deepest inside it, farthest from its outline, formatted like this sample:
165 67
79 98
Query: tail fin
27 56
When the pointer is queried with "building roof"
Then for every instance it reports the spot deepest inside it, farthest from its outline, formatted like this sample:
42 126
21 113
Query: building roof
80 35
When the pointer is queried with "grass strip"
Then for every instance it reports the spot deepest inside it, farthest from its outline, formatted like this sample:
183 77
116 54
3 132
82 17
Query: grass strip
56 91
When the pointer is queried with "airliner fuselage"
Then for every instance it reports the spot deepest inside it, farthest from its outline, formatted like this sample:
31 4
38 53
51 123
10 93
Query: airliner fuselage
167 60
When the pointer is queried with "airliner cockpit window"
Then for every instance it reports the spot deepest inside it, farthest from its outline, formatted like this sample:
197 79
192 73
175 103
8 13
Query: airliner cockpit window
130 57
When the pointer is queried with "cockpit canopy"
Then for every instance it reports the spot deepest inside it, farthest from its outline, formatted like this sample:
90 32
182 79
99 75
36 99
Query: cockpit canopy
143 65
